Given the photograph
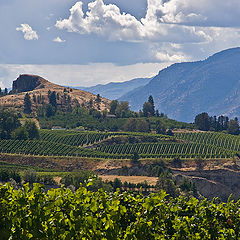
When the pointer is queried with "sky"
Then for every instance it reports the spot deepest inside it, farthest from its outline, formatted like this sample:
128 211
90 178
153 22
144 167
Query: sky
88 42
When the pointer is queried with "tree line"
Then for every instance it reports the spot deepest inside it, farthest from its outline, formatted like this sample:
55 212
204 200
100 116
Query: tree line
205 122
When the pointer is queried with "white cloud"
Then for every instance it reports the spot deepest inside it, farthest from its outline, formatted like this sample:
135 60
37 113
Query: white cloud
59 40
108 20
29 34
199 12
166 57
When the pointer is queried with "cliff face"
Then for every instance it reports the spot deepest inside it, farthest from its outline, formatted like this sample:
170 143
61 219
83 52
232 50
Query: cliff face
25 83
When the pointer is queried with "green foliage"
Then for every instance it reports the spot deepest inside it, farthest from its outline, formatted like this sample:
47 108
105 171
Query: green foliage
135 159
222 140
148 107
27 104
113 106
8 123
136 125
7 174
168 150
32 130
233 127
50 111
20 133
63 214
29 176
202 121
52 99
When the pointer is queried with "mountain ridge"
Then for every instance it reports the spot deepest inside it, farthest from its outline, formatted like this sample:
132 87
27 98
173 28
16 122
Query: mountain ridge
183 90
115 90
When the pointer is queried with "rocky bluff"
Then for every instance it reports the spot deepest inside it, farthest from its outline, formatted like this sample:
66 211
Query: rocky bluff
26 82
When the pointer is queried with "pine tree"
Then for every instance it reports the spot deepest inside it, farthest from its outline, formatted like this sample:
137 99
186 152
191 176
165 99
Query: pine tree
27 104
150 100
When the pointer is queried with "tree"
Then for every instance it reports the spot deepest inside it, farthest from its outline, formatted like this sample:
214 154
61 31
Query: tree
135 159
20 134
27 104
150 100
142 126
113 106
52 99
123 109
160 128
6 91
147 109
202 121
233 127
8 123
32 130
98 100
130 125
50 111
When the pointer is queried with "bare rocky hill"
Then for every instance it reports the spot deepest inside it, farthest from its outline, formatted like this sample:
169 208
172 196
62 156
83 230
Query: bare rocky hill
38 89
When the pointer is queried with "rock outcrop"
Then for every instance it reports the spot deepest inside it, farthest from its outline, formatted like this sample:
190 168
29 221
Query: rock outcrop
25 83
39 88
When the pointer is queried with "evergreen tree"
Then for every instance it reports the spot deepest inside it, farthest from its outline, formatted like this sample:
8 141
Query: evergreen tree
113 106
6 91
202 121
150 100
1 92
147 109
27 104
233 127
50 111
52 99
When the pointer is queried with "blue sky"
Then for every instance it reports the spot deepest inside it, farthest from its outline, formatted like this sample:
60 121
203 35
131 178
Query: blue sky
82 43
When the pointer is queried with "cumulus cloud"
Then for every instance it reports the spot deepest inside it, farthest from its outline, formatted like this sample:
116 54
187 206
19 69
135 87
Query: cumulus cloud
29 34
108 20
199 12
59 40
166 57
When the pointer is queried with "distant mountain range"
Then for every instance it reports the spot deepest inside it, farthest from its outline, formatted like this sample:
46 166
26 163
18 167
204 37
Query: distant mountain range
115 90
185 89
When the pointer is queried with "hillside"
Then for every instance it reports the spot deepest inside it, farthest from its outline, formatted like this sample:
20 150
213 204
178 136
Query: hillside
38 89
115 90
185 89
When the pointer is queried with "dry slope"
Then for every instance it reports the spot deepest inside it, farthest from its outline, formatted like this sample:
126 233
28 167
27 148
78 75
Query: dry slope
38 89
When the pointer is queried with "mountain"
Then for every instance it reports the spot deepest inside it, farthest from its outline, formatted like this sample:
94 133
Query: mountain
38 89
115 90
185 89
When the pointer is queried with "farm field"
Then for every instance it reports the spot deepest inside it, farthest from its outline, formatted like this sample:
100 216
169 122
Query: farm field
122 145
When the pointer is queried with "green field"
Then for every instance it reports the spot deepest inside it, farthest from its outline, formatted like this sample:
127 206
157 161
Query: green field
209 145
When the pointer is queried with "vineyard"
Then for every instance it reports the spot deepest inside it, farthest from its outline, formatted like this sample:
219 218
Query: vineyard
93 145
225 141
63 214
72 138
168 150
